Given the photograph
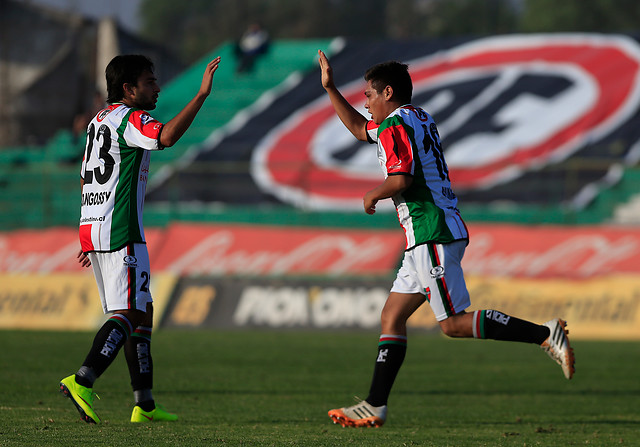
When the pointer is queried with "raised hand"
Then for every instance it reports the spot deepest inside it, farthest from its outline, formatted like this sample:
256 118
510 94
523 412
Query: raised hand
327 72
207 77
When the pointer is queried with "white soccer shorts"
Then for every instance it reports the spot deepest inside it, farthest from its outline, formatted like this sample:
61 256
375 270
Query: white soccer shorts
123 278
435 271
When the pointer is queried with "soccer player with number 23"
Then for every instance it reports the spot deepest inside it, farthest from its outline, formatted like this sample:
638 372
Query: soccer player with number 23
416 178
114 175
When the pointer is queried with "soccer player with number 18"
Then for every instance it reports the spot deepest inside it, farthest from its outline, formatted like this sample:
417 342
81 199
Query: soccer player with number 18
417 179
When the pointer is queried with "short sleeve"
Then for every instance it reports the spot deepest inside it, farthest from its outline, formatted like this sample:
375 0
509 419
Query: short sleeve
397 146
143 131
372 132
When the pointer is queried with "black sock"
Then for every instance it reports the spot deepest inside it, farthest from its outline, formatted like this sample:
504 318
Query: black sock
106 345
391 352
137 351
86 376
147 405
498 326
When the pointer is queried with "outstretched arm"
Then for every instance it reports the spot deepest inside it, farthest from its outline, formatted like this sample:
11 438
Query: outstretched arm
175 128
350 117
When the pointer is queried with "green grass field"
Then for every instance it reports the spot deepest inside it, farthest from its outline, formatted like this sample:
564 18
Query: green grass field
274 389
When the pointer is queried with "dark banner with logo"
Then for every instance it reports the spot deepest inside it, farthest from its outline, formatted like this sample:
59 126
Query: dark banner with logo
593 311
288 303
519 115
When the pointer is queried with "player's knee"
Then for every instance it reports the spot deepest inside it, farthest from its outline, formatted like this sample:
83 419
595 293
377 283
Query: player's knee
450 328
138 317
392 323
447 330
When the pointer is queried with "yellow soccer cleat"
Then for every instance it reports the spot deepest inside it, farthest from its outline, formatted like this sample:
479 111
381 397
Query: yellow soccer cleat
156 415
82 397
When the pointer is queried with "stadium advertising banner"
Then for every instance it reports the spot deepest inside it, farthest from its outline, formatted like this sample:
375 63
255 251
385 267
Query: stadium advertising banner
516 114
597 308
552 251
291 303
63 301
586 275
50 250
280 277
602 308
192 250
214 250
44 287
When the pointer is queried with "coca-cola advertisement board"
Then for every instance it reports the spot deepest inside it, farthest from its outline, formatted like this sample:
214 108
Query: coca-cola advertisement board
213 250
254 250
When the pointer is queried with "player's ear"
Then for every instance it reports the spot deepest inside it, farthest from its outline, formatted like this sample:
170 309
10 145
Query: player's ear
127 89
387 92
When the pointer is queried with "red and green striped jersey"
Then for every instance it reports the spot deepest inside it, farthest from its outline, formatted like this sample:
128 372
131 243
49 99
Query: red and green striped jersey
409 144
114 169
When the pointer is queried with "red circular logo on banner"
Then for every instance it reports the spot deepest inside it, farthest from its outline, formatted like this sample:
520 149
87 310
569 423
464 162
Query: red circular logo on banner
526 129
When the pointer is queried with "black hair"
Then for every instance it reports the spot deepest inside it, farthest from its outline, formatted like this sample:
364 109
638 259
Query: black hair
123 69
394 74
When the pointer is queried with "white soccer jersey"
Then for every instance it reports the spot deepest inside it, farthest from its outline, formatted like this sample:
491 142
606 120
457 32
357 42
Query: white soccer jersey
115 170
409 144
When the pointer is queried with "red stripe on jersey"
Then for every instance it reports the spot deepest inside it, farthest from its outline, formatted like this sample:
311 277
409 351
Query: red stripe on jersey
85 238
148 126
397 146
